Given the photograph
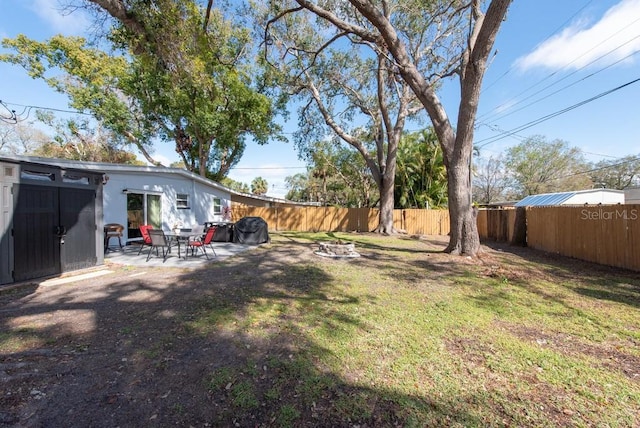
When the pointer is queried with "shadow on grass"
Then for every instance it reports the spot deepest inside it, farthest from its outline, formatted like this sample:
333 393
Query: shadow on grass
227 345
581 277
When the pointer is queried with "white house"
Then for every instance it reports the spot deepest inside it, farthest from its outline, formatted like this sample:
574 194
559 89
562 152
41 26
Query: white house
52 211
160 196
578 197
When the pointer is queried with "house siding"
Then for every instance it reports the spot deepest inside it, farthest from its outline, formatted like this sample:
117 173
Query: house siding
201 198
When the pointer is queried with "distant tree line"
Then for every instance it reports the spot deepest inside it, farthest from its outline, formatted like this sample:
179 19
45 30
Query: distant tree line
538 166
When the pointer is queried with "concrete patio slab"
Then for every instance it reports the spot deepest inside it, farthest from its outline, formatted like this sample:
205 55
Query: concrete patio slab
129 256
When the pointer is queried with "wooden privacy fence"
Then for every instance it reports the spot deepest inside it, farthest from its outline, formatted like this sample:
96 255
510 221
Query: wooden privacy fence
505 225
607 234
331 219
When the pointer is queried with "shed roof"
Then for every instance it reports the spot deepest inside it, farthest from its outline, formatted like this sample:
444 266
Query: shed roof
545 199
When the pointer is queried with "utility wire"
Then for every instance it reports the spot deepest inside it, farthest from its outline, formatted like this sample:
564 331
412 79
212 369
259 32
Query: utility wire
494 118
527 125
270 167
496 110
26 109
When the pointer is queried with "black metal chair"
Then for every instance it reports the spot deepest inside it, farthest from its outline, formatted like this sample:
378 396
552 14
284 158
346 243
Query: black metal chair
159 240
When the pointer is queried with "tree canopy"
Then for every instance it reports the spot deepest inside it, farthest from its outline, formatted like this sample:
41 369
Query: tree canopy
616 173
421 178
336 175
184 74
348 91
540 166
427 42
259 186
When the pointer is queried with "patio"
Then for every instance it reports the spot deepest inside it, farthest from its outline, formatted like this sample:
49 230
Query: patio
129 256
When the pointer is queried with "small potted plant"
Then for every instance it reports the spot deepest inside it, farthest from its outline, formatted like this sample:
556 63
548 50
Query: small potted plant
177 225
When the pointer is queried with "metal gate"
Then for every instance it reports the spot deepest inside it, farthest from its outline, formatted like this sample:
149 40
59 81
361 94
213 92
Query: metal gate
53 230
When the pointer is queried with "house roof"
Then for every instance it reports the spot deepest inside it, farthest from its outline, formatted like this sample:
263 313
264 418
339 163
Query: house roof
547 199
137 169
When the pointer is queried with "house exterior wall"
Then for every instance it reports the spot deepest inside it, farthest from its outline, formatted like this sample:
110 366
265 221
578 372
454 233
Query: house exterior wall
121 180
604 197
201 198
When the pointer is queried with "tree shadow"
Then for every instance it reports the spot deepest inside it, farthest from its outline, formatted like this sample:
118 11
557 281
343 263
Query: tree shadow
581 277
215 347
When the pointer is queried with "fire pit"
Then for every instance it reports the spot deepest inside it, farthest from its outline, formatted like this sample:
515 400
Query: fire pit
337 249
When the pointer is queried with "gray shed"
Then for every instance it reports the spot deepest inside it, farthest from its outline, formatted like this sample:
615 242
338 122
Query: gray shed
51 220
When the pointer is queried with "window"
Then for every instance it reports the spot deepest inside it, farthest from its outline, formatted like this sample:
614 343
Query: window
217 206
182 201
37 175
68 177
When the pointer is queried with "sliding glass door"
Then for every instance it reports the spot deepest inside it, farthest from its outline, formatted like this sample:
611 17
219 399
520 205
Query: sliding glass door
143 208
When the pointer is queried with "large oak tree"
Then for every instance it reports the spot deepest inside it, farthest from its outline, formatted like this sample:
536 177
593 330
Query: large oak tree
176 71
428 42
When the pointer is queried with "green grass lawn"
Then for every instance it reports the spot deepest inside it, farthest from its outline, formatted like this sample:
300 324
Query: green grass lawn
402 336
405 335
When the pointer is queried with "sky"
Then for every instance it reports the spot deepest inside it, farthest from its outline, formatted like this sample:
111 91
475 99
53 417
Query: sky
567 70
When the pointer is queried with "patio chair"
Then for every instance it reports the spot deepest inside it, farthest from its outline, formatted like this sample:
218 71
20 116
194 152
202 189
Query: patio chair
159 240
146 239
203 243
112 230
198 228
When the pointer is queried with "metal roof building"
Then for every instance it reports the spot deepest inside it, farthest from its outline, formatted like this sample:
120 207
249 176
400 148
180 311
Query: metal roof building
578 197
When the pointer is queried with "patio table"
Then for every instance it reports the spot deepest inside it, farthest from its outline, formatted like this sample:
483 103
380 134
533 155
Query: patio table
182 237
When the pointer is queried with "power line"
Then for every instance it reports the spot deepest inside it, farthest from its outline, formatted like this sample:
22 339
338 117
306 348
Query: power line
270 167
493 118
26 109
496 110
527 125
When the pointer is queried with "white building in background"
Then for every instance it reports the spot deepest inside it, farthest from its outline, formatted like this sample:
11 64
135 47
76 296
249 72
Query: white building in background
578 197
632 196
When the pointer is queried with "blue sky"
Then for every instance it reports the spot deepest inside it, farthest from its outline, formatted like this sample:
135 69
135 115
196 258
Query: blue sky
562 69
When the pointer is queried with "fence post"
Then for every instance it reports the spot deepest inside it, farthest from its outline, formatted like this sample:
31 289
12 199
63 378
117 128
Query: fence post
520 227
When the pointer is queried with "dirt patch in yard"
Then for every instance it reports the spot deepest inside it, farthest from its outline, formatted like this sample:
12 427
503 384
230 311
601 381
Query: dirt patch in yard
152 347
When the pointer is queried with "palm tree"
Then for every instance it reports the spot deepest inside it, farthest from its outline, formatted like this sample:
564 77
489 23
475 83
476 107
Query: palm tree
421 178
259 186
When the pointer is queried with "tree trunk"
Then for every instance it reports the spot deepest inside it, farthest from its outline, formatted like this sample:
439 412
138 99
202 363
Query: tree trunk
385 225
464 238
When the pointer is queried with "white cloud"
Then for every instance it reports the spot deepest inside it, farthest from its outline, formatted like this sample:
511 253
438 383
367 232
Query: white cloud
614 37
61 20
